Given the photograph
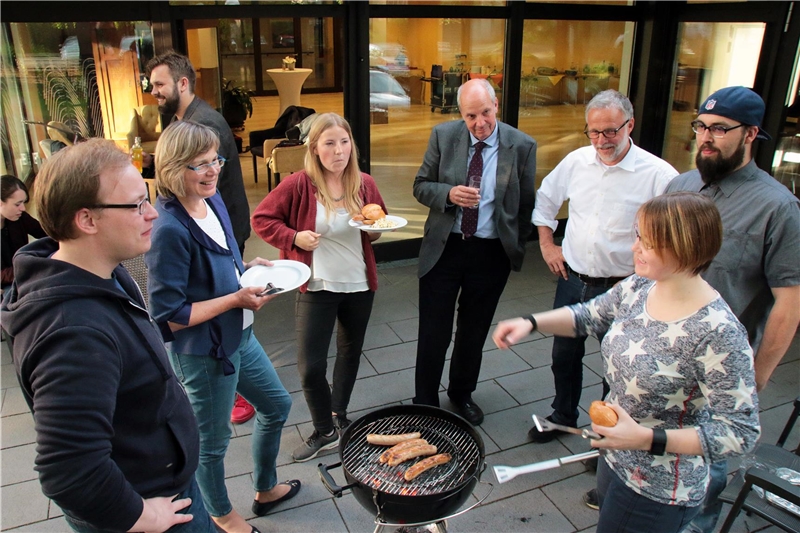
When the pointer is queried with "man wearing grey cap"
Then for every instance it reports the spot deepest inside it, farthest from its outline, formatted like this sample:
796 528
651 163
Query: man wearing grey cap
756 271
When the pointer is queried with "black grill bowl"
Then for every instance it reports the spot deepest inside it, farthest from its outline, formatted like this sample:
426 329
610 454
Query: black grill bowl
429 504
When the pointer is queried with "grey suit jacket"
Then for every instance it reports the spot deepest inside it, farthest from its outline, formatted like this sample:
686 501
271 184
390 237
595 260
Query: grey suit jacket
445 166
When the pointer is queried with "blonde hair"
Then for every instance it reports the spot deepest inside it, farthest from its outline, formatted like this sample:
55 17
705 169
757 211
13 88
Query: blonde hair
351 177
686 224
177 146
70 181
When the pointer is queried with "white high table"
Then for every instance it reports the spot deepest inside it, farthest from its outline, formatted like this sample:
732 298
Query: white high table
289 83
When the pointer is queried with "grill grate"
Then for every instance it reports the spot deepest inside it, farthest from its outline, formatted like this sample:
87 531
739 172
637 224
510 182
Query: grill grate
360 458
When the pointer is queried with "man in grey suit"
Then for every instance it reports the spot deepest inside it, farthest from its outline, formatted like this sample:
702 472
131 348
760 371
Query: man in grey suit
474 236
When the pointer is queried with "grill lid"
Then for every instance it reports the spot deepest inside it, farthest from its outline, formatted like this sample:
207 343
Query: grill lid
360 458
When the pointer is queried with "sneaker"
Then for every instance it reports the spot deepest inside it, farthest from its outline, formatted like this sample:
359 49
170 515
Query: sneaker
540 437
315 444
591 500
340 422
242 411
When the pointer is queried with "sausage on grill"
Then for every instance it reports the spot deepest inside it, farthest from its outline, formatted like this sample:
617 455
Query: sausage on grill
385 456
391 440
411 453
426 464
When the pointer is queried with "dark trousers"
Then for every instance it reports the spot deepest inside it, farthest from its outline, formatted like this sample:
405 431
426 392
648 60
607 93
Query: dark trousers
315 314
568 353
474 273
622 510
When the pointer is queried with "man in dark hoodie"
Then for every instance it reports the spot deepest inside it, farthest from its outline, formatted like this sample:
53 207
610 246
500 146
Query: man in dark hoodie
117 442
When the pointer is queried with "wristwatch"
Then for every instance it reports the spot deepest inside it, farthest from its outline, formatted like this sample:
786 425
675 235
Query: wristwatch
659 445
532 320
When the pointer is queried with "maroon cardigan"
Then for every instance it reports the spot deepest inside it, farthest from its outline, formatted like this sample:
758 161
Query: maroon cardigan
292 207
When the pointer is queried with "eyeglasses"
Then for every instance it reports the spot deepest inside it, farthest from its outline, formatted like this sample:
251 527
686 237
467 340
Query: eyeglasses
140 206
608 134
218 162
716 130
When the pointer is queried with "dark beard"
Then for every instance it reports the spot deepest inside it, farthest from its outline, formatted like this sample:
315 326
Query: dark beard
170 106
715 168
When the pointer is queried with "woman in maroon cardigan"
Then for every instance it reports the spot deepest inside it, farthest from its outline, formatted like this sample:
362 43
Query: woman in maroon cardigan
16 224
307 217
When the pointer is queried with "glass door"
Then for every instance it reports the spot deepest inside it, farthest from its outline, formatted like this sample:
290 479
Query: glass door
202 38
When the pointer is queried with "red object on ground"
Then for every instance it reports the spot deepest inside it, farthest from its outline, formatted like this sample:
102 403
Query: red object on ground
242 411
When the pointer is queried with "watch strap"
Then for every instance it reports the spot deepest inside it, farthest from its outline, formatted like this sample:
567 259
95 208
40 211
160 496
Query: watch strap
659 445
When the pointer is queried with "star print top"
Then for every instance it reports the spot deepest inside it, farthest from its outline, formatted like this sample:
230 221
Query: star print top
693 372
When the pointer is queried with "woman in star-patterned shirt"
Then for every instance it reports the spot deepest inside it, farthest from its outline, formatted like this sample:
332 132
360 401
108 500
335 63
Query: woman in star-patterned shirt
679 366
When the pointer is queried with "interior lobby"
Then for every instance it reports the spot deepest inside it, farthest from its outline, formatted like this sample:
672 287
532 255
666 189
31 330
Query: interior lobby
84 68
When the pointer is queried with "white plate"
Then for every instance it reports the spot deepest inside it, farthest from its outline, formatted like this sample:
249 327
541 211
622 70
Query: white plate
283 273
398 221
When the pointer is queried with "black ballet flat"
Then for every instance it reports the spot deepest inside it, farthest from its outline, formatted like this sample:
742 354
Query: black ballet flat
260 509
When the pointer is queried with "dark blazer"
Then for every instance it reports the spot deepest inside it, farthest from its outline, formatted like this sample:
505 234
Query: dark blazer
231 183
184 266
445 166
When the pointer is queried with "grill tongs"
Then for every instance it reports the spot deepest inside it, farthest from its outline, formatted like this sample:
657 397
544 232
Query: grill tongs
542 424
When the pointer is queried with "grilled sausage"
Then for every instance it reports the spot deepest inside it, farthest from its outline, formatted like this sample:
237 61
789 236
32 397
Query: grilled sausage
391 440
385 456
426 464
411 453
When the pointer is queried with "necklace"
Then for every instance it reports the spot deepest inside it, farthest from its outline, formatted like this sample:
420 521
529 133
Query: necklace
338 199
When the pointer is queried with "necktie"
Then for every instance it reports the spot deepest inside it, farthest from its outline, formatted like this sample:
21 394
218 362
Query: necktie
469 217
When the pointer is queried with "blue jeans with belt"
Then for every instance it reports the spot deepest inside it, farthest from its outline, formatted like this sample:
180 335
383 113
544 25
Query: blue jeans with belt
200 523
568 353
212 394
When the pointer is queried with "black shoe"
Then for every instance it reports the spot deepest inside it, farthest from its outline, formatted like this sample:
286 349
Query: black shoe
469 410
540 437
340 422
591 464
260 509
591 500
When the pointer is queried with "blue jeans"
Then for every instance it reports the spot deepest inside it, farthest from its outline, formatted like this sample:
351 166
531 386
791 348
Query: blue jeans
710 509
200 523
568 353
211 394
622 510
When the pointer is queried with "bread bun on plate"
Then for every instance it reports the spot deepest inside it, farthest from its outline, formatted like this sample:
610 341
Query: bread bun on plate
369 214
603 415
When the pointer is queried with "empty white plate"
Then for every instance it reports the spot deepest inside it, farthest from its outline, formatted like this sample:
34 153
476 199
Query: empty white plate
283 273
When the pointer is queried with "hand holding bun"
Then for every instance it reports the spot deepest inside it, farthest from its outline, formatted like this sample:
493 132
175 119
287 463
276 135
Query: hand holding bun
603 415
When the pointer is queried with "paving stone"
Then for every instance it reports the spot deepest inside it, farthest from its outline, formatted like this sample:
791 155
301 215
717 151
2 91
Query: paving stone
365 368
281 353
299 412
391 358
407 330
380 335
54 525
14 402
22 504
527 512
17 464
529 386
8 377
568 498
497 363
383 389
537 352
782 385
17 430
320 516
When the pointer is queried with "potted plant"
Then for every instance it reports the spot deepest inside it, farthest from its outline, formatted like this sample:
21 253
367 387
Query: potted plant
237 103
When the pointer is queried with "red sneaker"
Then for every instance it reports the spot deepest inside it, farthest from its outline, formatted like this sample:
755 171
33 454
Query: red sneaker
242 411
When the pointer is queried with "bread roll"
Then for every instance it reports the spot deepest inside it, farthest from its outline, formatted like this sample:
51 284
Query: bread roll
372 212
602 415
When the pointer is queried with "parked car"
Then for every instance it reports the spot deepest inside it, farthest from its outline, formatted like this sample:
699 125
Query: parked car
385 92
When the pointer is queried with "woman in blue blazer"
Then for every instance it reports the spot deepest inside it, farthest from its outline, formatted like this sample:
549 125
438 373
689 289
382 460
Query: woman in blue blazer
206 318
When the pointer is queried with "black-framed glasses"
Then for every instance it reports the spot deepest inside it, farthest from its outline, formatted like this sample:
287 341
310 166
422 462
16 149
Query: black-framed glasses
140 206
218 162
716 130
608 134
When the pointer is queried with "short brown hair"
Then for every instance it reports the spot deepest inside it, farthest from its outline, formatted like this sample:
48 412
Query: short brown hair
70 181
179 66
686 224
177 146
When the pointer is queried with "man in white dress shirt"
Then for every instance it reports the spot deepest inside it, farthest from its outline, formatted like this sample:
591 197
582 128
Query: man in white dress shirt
605 184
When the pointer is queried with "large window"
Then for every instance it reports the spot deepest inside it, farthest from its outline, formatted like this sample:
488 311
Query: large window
416 67
710 56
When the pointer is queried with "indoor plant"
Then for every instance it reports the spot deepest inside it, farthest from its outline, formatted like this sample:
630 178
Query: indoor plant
237 103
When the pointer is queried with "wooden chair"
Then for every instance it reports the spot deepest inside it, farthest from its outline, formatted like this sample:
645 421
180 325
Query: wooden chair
738 492
286 159
145 123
